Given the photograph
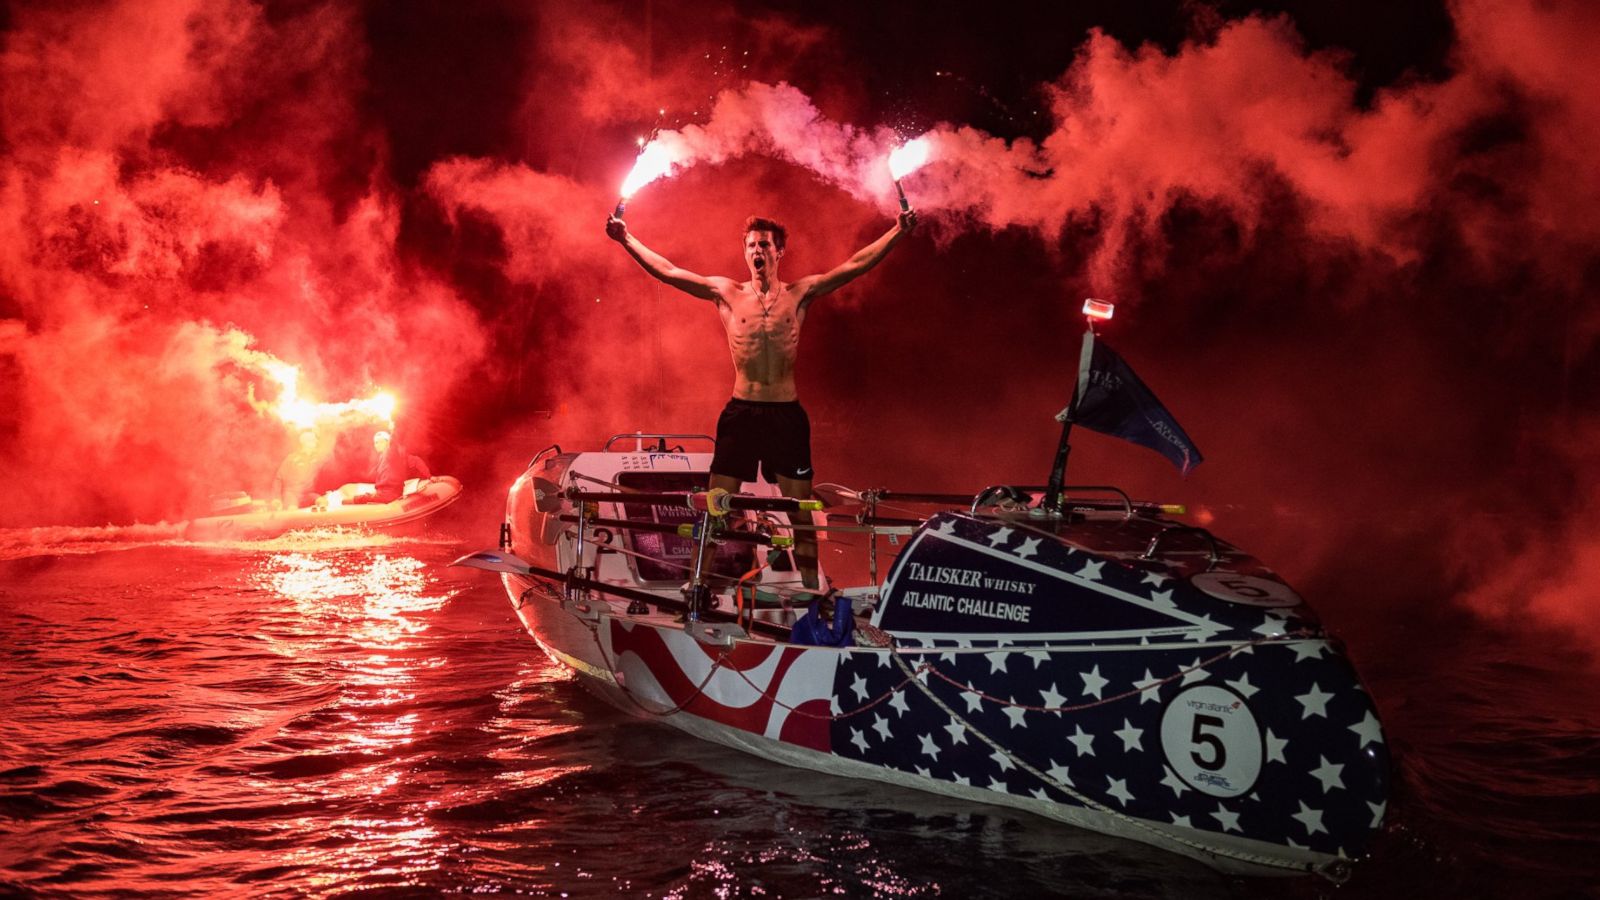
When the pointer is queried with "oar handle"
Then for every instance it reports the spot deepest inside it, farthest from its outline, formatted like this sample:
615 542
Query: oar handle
687 530
716 502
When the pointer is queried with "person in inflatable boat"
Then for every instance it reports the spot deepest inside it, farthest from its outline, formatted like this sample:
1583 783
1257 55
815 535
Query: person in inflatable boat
391 467
294 483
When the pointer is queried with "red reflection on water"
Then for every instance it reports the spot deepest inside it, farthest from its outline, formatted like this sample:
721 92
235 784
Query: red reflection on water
392 592
523 721
366 623
360 614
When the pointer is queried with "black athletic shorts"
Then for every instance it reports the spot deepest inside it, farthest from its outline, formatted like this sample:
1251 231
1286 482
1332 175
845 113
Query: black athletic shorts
774 435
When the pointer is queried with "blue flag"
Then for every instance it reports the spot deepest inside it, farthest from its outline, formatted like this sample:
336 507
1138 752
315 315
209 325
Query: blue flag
1112 400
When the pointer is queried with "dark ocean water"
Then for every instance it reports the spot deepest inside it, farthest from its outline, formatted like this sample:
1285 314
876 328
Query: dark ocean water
334 715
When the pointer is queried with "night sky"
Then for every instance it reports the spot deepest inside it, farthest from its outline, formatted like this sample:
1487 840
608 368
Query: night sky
1353 248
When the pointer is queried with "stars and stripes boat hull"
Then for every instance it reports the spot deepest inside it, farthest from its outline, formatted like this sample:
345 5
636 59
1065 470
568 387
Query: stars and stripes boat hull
1188 700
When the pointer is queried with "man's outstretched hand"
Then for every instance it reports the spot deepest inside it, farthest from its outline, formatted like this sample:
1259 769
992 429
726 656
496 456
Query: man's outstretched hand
616 229
908 221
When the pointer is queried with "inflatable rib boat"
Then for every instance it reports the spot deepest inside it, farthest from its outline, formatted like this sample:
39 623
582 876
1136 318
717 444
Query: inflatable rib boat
256 520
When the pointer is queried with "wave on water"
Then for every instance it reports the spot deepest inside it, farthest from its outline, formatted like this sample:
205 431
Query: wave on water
329 538
73 540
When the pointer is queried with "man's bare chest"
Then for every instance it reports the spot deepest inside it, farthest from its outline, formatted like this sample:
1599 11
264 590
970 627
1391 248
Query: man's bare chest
754 313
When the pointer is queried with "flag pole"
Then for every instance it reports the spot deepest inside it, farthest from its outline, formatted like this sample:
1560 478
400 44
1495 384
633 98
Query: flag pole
1058 469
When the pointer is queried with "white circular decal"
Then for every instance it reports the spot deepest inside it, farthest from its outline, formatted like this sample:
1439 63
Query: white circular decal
1212 741
1246 589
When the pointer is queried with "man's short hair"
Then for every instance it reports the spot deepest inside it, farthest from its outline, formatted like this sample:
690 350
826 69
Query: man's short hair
780 234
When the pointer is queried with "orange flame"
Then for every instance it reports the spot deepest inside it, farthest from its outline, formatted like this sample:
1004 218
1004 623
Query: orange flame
301 412
908 158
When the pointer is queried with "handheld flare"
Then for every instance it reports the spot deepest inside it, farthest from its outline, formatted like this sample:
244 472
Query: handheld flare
654 161
904 160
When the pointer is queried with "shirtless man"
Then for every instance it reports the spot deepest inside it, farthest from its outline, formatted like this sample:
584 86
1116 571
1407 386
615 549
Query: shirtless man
764 424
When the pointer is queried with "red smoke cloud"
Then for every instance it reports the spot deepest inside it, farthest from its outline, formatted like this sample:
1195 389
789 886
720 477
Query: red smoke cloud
1351 232
160 211
1349 293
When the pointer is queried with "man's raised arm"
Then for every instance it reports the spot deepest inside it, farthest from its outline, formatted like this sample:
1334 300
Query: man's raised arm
659 266
864 260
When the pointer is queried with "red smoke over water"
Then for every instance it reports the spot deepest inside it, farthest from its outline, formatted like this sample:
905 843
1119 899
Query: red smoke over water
1368 297
174 198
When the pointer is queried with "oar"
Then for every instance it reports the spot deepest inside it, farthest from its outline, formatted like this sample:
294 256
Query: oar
495 561
717 501
686 530
509 564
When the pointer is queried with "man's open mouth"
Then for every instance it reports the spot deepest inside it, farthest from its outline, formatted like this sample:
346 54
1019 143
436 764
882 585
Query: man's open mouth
760 262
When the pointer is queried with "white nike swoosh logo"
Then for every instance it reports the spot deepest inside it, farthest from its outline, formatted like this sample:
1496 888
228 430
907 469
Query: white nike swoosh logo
802 471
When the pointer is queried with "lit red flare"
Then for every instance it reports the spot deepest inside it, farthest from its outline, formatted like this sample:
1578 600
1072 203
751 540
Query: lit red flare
908 158
654 161
904 160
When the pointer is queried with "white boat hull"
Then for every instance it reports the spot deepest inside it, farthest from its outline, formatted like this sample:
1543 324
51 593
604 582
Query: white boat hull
1085 686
